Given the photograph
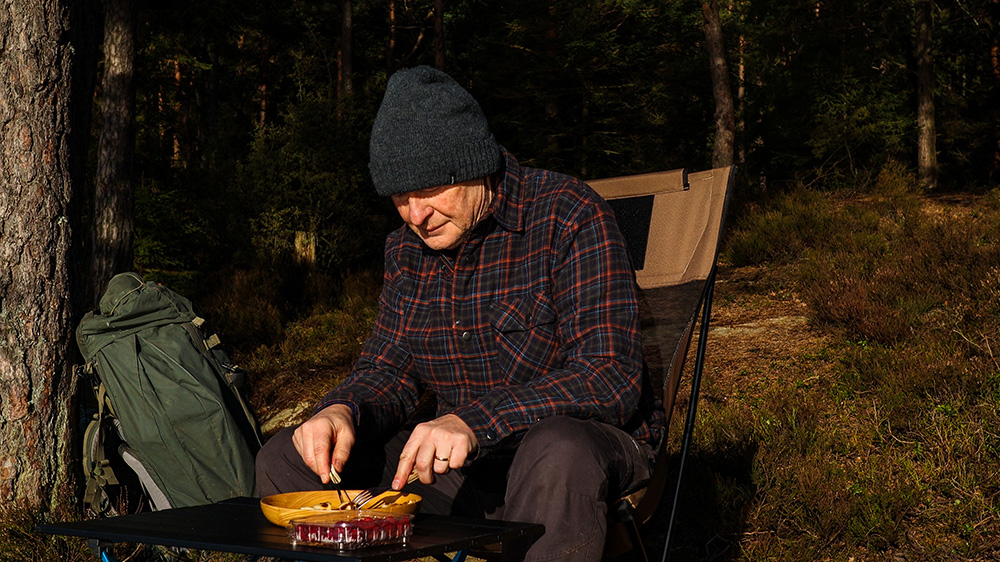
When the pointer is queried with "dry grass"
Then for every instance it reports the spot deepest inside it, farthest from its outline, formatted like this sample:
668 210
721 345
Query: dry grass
850 404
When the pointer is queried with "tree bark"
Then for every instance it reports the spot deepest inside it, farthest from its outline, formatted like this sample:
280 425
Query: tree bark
995 62
36 199
725 116
926 136
346 42
391 49
113 198
741 72
178 154
265 60
551 50
439 34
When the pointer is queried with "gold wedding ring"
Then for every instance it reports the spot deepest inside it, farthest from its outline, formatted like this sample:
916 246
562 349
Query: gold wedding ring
443 459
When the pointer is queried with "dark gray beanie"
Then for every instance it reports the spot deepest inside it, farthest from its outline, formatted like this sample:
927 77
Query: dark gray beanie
428 132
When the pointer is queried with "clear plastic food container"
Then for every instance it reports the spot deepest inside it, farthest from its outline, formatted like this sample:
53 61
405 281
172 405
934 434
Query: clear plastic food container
351 529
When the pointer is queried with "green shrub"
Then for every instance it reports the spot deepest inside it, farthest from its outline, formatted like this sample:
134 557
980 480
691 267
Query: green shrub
306 175
247 307
781 231
316 352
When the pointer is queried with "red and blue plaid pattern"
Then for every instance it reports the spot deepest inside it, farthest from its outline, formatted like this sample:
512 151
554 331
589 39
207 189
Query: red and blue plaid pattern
535 315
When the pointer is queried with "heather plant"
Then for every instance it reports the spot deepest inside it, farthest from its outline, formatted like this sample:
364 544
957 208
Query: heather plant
780 230
890 448
317 350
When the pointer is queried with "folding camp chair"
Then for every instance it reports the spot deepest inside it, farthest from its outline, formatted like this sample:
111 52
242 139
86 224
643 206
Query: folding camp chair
672 223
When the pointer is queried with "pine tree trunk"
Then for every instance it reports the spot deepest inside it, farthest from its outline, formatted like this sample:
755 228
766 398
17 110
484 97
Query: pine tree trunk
265 60
113 199
36 192
346 41
995 60
439 34
178 157
741 89
926 136
725 117
391 50
552 77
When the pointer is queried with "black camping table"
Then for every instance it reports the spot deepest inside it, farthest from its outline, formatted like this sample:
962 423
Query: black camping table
237 525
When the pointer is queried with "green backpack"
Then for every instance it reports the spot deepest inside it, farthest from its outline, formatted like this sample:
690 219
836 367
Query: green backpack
171 405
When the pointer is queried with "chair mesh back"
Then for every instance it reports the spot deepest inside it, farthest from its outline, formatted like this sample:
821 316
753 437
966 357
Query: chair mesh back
672 223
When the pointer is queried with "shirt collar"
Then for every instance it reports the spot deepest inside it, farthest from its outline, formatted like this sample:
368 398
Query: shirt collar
508 202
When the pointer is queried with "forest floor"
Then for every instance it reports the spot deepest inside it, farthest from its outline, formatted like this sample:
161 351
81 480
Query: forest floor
759 331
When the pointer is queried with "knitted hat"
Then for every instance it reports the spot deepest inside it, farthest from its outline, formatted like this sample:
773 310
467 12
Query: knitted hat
429 132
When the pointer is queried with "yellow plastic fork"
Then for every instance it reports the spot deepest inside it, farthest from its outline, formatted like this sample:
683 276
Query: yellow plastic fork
382 498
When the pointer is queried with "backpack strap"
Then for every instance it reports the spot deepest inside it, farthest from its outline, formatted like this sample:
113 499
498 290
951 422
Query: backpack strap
97 467
99 473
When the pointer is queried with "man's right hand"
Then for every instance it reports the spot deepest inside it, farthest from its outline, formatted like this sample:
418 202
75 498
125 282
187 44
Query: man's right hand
332 426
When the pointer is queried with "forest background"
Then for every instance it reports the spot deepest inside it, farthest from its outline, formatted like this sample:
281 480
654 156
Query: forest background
221 148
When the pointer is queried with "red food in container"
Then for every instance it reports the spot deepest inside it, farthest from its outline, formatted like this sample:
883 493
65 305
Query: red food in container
351 529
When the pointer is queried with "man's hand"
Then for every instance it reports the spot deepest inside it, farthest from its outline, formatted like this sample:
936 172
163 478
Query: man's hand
331 426
436 446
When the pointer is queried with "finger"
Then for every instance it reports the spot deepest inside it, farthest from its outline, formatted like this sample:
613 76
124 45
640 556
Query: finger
423 463
457 457
417 455
305 446
321 459
342 450
403 469
442 462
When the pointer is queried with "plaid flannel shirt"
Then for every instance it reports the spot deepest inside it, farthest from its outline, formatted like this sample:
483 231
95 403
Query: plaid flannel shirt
535 315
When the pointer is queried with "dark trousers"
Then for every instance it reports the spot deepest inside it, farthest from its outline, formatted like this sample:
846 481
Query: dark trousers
562 475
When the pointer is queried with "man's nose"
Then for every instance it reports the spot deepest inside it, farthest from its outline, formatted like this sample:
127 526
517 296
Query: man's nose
419 210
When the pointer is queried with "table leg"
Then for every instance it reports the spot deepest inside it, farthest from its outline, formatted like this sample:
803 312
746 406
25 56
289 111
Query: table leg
101 550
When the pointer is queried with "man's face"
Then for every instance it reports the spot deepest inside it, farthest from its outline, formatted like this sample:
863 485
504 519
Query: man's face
442 216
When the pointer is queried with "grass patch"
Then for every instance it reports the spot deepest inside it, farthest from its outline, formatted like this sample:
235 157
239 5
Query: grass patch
890 451
20 542
317 352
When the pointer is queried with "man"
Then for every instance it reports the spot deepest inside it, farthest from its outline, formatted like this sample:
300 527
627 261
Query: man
508 294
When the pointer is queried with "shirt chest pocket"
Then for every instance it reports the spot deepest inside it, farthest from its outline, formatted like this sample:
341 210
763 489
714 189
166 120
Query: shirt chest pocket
525 331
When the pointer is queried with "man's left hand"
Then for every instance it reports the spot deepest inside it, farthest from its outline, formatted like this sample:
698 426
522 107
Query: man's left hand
435 447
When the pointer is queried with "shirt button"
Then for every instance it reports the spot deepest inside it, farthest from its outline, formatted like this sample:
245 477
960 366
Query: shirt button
466 336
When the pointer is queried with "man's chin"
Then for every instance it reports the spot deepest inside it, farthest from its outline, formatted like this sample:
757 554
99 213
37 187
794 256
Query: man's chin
440 242
439 239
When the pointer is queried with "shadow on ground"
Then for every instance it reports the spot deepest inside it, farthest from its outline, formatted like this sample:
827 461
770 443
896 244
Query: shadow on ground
716 494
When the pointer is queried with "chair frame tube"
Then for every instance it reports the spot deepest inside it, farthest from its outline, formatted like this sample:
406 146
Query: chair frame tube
692 404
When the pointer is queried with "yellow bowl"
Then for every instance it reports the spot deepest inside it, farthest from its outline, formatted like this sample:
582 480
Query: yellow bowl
282 508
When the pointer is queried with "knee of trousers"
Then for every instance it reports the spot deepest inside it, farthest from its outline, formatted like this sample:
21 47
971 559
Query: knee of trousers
275 450
277 460
562 452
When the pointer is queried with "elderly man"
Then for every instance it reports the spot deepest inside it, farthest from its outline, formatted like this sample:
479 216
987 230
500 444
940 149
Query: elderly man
508 293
